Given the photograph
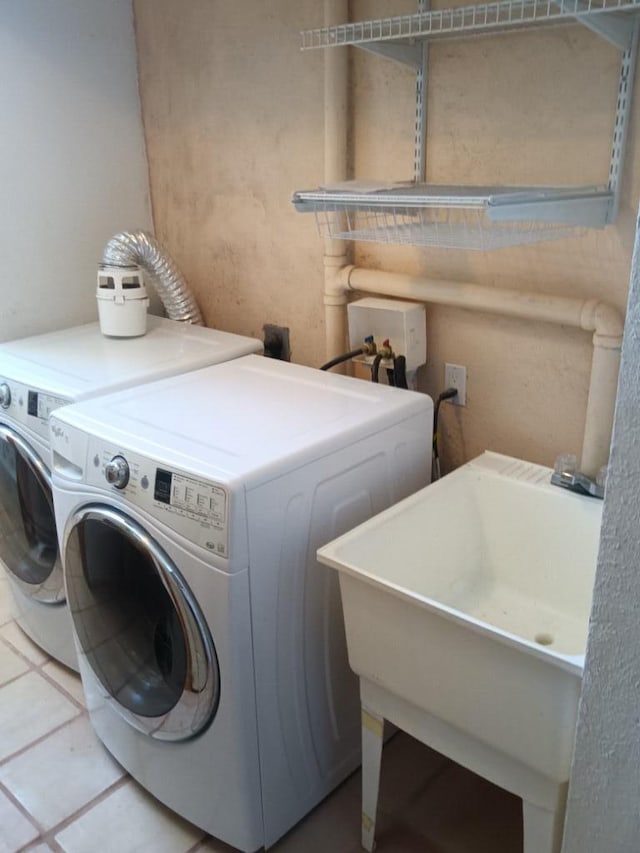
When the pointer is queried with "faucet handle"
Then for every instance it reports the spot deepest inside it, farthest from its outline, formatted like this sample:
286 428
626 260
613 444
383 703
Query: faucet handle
566 464
567 475
601 479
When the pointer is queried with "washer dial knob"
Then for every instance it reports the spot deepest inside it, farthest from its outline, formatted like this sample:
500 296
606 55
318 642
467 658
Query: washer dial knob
5 395
116 472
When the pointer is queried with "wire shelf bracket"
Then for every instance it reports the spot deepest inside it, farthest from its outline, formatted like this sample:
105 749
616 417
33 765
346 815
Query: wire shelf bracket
405 54
610 25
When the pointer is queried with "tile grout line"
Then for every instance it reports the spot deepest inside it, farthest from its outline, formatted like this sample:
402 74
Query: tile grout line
14 649
39 668
18 805
38 740
49 836
14 678
59 686
19 651
53 845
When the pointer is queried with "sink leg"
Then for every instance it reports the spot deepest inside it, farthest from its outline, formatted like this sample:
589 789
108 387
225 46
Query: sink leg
543 828
372 731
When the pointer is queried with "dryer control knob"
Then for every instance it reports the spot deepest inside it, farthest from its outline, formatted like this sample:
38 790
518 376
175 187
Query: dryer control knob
117 472
5 395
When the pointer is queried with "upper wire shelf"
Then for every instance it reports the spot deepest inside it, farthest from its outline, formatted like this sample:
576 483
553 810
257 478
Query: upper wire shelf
604 16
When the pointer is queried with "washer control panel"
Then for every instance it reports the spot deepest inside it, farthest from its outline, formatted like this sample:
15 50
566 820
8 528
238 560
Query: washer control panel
197 509
5 395
28 406
193 497
116 472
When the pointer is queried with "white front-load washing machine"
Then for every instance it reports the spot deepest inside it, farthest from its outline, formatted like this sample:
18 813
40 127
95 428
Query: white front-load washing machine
38 375
211 642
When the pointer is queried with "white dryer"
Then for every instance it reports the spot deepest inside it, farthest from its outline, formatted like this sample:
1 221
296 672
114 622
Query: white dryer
38 375
211 642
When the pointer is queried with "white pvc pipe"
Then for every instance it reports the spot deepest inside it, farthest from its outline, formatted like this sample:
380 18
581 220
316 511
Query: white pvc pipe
336 87
590 315
601 403
598 317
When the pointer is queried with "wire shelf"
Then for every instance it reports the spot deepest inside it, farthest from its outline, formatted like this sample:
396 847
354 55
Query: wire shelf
463 21
443 228
481 218
474 217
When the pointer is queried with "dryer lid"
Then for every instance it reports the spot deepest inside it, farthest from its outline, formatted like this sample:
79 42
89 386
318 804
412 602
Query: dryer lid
249 418
80 362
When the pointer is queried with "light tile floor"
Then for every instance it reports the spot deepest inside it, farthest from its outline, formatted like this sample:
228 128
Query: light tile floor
61 791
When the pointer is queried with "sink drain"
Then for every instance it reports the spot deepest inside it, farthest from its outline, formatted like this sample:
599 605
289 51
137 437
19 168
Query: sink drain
543 639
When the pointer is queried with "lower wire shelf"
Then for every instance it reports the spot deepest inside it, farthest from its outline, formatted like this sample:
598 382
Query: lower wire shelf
480 218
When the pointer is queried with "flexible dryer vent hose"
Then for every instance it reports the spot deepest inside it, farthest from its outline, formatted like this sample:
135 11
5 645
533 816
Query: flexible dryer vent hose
138 248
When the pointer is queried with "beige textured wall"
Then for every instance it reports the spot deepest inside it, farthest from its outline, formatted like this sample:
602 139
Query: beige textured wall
233 117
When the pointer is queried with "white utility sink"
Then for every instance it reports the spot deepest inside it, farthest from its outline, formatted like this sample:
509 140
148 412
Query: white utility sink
466 611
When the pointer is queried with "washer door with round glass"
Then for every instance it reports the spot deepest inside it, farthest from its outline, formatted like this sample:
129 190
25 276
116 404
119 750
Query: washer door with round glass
28 540
139 627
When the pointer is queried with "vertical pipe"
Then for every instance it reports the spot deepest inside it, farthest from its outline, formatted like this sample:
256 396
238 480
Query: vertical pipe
336 83
335 99
601 403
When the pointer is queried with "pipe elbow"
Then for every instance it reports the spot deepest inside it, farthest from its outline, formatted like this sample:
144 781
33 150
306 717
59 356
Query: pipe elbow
343 277
604 321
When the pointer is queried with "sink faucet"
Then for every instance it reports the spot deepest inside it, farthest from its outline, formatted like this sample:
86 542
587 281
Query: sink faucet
567 476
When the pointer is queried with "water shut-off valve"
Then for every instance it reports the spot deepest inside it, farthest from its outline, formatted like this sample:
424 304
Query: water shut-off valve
567 476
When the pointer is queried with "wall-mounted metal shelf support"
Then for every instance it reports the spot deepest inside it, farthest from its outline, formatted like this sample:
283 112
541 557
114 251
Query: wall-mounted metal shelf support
405 54
612 26
467 217
621 126
420 135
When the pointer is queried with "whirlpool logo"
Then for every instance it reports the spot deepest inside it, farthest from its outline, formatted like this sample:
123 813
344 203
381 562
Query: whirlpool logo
59 433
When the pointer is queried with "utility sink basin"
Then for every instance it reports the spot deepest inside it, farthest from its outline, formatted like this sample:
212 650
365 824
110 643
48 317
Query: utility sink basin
466 612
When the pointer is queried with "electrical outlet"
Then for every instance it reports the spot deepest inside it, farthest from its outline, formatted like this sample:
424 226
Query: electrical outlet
276 342
455 376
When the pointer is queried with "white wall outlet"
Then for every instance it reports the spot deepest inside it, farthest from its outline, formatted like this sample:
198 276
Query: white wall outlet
455 376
